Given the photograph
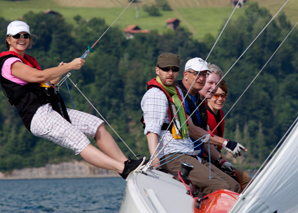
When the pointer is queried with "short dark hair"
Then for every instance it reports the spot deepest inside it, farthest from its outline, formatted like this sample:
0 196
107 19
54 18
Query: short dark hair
223 85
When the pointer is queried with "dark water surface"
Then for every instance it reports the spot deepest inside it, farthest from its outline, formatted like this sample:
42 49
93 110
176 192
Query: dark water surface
62 195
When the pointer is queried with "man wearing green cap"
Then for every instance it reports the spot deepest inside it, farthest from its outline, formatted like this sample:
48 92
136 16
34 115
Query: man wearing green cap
160 104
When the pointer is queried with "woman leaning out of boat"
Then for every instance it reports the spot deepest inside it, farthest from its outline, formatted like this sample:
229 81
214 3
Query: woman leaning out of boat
23 83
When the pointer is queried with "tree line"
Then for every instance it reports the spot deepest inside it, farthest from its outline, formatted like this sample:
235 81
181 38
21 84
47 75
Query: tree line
114 79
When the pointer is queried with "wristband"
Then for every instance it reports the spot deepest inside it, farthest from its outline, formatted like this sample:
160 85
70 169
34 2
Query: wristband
225 143
218 160
222 163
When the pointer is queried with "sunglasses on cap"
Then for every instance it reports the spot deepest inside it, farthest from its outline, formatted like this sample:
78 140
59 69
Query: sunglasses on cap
25 35
223 96
167 69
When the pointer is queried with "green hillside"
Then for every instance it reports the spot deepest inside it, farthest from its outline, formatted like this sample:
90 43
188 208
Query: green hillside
115 75
198 16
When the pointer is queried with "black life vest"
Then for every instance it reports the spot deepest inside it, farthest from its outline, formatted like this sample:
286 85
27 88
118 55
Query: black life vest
192 107
29 97
153 83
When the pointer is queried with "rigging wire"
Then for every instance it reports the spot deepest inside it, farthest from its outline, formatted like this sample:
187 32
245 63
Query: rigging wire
112 24
90 49
238 59
151 160
70 94
256 76
222 30
84 56
182 153
271 153
267 159
75 85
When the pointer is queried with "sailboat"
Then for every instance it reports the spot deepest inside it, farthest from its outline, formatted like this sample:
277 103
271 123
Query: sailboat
275 189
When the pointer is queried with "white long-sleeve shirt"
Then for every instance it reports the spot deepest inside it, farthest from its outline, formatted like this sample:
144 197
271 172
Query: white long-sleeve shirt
155 112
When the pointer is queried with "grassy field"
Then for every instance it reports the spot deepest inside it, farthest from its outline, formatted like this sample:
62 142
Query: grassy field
199 16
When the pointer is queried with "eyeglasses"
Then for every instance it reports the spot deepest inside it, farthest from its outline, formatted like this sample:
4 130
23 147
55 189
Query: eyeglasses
223 96
167 69
204 74
25 35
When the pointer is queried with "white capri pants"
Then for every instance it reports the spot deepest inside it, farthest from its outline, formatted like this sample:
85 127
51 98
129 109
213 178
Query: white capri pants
49 124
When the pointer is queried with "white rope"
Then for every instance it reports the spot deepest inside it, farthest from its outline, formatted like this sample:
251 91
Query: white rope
112 24
222 30
67 76
87 52
239 58
102 116
256 75
151 160
267 159
269 156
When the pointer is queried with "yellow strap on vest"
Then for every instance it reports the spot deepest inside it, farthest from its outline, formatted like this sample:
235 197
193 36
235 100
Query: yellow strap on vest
45 84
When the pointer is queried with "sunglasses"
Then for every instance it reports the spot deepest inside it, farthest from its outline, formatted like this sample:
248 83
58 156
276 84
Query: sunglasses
204 74
167 69
223 96
25 35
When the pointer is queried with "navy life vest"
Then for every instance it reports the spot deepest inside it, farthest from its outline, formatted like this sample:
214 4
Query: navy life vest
153 83
29 97
192 107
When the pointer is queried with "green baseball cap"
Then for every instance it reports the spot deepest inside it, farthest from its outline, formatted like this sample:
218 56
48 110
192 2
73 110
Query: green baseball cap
168 60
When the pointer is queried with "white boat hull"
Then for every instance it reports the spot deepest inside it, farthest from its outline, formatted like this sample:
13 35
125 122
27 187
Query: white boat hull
155 192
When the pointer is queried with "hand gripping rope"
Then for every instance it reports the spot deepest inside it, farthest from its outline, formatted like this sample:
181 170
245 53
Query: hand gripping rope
84 56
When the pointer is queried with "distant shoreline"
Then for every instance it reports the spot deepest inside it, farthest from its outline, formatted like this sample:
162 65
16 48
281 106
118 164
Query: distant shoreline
62 177
73 169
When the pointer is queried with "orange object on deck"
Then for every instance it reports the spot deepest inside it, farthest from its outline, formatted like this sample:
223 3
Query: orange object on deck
220 201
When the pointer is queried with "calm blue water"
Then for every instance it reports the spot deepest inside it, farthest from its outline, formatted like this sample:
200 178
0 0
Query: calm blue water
62 195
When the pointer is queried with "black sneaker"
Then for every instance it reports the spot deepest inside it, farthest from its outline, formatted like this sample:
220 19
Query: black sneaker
131 165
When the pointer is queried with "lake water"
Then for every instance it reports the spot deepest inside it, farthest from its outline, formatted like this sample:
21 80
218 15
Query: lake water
62 195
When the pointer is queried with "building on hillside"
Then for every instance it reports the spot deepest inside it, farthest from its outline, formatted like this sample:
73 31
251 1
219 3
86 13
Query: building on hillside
52 13
173 23
130 30
241 3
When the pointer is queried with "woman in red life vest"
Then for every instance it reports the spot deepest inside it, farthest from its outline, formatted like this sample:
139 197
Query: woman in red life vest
42 110
215 115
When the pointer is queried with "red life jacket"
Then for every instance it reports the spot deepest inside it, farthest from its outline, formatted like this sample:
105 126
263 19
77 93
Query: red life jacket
29 97
153 83
27 59
212 122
